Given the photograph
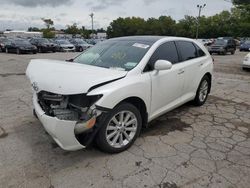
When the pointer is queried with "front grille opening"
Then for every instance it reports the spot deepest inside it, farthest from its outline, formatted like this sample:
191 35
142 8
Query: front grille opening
65 107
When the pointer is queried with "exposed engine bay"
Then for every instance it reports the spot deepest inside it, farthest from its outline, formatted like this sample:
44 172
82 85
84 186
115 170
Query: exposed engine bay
77 108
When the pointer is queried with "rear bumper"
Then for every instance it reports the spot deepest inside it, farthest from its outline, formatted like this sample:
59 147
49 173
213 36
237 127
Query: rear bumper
63 132
216 50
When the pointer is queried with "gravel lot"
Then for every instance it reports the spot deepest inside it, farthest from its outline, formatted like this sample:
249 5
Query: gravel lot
207 146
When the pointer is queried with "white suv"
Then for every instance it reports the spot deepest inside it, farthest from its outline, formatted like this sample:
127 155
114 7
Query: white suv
109 92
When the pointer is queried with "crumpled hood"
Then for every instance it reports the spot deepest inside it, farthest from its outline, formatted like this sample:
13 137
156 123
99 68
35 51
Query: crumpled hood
68 78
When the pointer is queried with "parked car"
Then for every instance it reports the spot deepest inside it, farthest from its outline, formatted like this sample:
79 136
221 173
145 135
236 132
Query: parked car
109 92
43 45
20 46
246 62
3 42
91 41
64 45
80 44
205 42
245 46
223 46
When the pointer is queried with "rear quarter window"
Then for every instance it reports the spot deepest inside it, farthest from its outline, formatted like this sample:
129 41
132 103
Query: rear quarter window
187 50
200 52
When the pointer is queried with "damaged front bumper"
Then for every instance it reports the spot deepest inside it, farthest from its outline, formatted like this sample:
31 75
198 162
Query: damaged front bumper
63 131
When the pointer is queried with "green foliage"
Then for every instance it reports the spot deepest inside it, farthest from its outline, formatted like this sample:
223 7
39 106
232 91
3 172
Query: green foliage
234 23
241 2
73 29
48 33
48 22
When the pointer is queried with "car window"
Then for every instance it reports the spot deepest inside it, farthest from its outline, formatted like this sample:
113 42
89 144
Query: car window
187 50
166 51
199 51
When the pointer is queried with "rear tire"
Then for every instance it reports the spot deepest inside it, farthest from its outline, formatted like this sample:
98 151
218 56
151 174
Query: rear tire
202 91
117 135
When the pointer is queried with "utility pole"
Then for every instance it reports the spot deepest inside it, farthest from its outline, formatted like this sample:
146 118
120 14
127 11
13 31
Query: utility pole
92 21
200 7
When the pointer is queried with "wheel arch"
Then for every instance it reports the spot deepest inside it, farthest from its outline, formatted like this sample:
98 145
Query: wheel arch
209 75
140 105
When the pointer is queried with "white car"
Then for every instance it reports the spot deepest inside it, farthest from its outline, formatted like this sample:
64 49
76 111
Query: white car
109 92
64 45
246 62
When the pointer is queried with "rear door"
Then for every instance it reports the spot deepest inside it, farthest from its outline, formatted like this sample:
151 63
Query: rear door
192 58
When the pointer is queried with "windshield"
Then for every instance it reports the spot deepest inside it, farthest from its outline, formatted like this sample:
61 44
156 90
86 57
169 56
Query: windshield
247 42
120 55
220 42
22 42
43 40
63 42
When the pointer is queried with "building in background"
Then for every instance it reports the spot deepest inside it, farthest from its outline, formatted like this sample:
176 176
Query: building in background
101 35
22 34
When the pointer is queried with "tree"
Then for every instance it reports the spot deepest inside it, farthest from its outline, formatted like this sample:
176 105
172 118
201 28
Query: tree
48 22
241 2
48 33
73 29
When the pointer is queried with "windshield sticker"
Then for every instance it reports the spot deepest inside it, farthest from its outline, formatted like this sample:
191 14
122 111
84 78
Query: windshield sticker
117 68
130 64
139 45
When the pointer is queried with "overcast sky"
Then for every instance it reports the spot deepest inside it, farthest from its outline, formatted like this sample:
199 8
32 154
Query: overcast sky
20 14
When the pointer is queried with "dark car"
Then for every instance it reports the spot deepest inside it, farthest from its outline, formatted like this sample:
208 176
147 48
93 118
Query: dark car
3 42
20 46
223 46
80 44
43 45
245 46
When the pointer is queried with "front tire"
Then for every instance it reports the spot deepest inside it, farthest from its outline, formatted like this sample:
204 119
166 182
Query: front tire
120 128
202 91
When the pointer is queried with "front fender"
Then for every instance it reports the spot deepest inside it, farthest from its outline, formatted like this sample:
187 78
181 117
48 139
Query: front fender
130 86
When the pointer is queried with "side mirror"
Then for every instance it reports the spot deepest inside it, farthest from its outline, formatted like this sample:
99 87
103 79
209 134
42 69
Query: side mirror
163 65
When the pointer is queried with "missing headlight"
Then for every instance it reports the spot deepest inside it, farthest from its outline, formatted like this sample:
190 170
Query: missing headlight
68 107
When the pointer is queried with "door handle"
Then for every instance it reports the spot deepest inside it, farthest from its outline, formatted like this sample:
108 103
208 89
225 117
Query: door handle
201 64
181 71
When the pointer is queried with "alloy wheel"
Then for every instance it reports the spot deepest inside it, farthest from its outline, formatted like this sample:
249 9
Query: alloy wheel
203 91
121 129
